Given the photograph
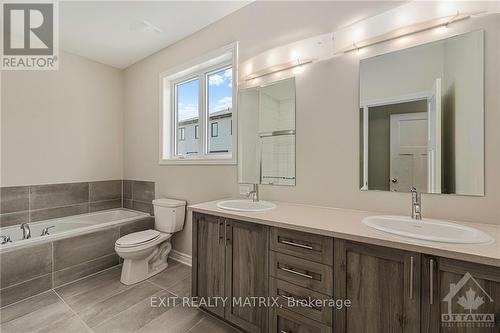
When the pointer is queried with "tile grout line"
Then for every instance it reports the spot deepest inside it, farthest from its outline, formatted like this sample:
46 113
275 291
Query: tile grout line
73 312
120 312
90 275
29 204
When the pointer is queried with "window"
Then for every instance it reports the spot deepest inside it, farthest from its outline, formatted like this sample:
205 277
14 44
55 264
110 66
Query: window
214 130
197 111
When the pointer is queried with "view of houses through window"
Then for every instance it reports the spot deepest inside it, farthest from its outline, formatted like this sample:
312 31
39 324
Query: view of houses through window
218 110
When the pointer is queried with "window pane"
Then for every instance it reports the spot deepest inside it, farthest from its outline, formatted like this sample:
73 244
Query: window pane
187 117
220 105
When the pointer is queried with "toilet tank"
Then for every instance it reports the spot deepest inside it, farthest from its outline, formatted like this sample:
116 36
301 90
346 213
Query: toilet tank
169 215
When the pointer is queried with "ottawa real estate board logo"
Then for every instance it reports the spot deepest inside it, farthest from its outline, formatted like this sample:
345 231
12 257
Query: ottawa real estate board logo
466 300
29 36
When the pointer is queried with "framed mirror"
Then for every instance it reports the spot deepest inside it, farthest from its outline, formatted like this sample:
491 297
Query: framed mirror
422 118
266 134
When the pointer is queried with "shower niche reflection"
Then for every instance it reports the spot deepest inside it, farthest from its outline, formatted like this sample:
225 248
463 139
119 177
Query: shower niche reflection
266 134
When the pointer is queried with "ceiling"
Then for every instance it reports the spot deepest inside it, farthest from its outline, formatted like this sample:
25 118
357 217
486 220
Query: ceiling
120 33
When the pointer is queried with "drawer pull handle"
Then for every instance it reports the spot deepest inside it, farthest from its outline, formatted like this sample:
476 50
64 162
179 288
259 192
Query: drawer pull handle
431 281
295 272
303 246
301 303
411 277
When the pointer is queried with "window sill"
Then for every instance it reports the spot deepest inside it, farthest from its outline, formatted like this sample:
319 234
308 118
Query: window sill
197 161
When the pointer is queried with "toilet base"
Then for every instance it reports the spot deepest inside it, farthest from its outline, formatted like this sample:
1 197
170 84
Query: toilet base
137 270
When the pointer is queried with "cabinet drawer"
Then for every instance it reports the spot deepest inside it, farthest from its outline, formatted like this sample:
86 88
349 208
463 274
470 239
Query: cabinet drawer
285 321
305 273
300 244
288 294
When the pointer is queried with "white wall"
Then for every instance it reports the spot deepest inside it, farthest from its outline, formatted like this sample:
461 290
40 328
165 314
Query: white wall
62 126
327 150
463 87
387 76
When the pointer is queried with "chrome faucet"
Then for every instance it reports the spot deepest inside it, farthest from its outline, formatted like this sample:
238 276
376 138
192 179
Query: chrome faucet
416 204
254 194
26 230
5 239
45 230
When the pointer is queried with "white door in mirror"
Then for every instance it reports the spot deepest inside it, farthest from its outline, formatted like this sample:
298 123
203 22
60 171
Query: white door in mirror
428 230
246 205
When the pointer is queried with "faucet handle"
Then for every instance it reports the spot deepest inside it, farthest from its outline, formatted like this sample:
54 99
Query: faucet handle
45 230
413 189
5 239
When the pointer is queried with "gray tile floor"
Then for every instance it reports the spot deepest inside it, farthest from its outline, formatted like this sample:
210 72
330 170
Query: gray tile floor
100 303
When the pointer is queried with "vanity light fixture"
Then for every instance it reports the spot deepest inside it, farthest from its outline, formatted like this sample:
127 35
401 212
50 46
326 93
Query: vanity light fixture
279 68
441 23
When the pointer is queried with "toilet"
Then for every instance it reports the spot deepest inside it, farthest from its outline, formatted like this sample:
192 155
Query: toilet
145 252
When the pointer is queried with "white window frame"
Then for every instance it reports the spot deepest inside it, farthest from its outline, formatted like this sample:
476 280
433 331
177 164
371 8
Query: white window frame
200 68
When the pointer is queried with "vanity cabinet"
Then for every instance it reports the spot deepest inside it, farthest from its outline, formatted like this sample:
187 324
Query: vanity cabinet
383 285
390 290
445 280
209 259
230 258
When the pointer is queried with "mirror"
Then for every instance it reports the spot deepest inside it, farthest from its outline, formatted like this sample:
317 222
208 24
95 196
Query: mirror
266 134
422 118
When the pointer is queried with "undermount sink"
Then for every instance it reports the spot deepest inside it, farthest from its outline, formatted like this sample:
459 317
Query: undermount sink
427 229
246 205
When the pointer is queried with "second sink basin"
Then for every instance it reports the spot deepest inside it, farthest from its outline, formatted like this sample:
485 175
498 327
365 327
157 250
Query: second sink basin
246 205
429 230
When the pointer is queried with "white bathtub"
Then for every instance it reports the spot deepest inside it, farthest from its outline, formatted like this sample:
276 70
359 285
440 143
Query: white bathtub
68 226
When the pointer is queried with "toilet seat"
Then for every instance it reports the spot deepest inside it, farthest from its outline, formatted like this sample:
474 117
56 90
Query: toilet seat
141 239
138 238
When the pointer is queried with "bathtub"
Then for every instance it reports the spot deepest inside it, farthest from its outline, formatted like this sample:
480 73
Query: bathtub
68 226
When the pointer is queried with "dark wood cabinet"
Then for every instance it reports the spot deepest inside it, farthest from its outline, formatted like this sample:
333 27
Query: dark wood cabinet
209 259
383 285
230 260
246 274
390 290
452 287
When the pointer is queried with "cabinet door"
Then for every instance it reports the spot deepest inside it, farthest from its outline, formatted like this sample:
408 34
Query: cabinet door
452 287
208 277
246 274
383 285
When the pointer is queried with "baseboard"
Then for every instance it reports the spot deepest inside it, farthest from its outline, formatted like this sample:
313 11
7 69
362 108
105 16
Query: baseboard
186 259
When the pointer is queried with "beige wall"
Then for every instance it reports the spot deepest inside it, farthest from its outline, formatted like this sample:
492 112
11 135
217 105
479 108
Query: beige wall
327 122
62 126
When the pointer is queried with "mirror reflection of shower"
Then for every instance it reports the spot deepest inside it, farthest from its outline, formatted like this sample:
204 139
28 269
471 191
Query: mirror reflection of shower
267 134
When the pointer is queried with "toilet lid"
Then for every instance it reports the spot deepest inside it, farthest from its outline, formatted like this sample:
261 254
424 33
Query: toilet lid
138 238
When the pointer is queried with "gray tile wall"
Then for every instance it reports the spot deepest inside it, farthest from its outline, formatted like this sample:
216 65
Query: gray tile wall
32 203
29 271
138 195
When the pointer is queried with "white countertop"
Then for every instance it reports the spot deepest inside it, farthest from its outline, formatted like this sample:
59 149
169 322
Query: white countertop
346 224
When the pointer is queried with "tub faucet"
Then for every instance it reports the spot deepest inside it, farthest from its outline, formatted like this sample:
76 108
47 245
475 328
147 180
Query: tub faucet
416 204
5 239
45 230
26 230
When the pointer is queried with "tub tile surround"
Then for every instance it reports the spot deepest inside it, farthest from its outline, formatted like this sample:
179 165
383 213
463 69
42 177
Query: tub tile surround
24 204
138 195
100 303
31 270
